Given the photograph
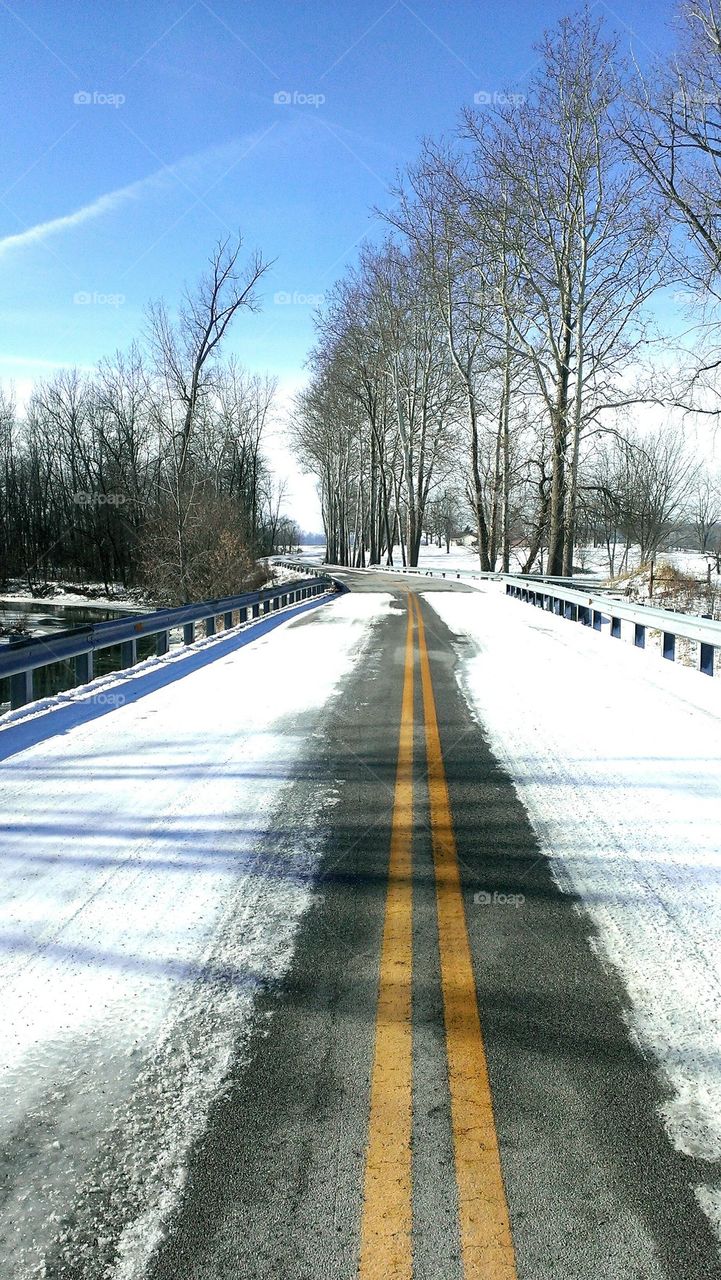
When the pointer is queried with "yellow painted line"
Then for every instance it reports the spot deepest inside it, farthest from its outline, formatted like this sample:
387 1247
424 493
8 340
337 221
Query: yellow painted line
486 1242
386 1245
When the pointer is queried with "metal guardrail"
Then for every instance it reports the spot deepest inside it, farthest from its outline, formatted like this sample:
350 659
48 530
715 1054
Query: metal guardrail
592 610
19 658
383 568
301 565
491 575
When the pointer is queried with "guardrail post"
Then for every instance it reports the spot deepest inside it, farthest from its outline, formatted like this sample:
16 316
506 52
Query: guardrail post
256 609
188 633
243 615
276 603
21 689
616 628
161 643
705 659
128 653
84 667
228 620
210 625
639 635
669 645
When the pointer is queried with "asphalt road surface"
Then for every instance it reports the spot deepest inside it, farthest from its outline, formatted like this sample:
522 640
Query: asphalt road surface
446 1089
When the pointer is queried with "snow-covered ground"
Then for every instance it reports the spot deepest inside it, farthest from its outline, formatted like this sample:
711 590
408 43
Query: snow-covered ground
63 598
617 759
94 595
142 905
433 557
591 561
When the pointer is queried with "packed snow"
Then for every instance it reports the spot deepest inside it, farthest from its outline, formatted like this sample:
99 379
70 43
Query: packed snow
616 756
145 898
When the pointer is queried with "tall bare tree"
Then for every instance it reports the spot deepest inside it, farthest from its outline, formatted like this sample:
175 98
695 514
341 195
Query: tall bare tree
185 353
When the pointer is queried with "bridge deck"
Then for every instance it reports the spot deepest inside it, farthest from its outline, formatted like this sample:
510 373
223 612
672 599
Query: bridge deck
291 987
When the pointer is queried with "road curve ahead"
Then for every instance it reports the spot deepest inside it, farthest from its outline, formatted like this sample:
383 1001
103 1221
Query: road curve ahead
443 1086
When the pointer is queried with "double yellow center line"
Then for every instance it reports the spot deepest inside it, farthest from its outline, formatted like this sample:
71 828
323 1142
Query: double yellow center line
386 1230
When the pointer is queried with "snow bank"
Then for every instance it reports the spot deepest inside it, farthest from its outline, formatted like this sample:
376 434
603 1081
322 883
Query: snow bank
617 759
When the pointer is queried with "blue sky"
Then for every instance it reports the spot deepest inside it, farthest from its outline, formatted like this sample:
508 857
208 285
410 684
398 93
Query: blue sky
107 203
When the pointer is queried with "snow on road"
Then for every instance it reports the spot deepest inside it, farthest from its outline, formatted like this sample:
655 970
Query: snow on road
151 882
616 756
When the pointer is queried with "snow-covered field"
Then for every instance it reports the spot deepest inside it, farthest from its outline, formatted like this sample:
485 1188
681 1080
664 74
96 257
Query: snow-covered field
617 759
591 561
141 907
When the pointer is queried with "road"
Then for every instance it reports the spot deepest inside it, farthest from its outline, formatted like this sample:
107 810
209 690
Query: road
443 1084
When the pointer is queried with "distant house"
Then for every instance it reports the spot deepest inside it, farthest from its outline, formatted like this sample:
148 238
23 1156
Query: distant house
467 538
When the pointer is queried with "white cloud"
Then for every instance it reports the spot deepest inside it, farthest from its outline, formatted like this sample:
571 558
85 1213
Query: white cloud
42 230
169 176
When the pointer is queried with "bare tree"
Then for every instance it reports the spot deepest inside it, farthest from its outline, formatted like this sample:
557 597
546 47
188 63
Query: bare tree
185 354
672 130
655 487
706 512
585 241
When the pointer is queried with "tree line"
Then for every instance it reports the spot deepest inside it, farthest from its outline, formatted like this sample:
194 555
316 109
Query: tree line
150 470
487 353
